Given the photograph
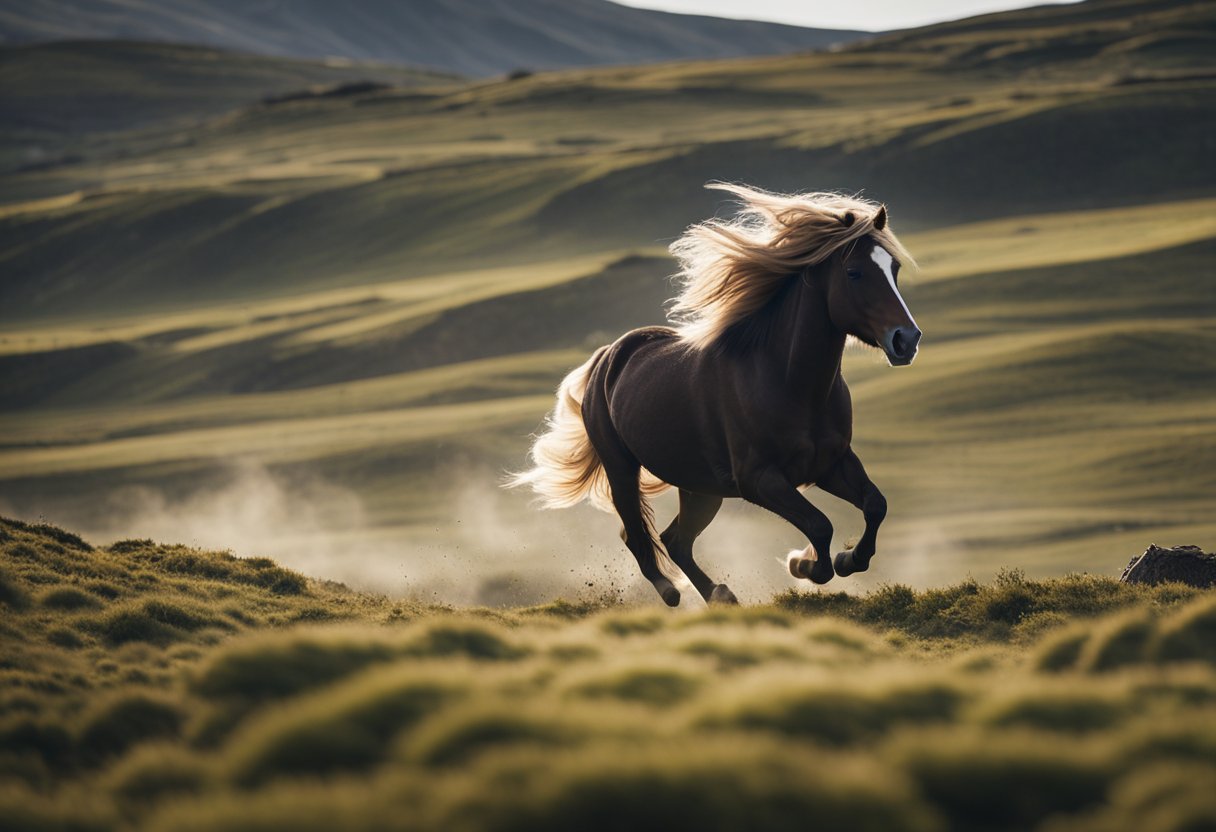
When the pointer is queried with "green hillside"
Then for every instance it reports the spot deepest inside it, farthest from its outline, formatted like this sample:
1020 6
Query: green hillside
62 100
323 327
161 687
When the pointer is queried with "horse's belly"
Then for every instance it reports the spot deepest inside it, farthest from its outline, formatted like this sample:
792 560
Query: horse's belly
666 438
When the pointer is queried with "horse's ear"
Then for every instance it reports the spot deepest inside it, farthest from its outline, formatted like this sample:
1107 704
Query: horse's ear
848 219
880 219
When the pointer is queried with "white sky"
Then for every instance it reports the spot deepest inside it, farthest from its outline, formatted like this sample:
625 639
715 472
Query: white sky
868 15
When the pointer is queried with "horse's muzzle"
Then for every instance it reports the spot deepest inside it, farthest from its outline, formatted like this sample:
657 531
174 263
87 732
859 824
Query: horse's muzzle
900 343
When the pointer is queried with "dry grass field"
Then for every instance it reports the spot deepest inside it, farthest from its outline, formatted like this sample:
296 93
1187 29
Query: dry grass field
351 309
166 688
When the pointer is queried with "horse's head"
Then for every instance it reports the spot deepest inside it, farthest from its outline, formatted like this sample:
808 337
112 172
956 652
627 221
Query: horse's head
863 296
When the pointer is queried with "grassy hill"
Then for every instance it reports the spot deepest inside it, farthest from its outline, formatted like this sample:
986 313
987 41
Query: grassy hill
61 100
158 687
481 37
320 328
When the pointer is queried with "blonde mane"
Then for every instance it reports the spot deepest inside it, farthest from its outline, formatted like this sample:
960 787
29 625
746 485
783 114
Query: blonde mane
729 269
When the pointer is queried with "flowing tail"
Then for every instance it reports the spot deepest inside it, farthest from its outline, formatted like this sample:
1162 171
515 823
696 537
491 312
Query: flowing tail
565 467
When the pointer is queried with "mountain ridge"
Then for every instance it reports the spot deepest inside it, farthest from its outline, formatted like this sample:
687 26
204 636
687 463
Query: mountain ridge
471 37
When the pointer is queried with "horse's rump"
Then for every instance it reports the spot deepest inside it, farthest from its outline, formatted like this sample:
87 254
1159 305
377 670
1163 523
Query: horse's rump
565 466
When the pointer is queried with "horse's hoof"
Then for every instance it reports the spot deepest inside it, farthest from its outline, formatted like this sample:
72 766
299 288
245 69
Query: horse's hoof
847 563
820 571
844 564
799 564
671 595
722 595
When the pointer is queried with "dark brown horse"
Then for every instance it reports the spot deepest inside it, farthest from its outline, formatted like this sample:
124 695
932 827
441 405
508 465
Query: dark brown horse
744 397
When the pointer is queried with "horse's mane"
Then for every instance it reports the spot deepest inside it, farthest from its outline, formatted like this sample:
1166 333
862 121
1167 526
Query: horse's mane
730 269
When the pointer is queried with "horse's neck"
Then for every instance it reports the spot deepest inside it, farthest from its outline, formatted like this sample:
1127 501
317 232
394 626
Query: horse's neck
808 346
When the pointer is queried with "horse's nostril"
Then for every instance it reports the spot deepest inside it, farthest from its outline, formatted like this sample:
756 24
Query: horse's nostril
898 344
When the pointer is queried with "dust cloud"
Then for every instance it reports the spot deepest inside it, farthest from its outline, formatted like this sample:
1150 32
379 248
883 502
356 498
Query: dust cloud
492 547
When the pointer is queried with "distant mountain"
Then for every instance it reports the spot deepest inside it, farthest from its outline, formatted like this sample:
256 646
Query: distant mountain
473 37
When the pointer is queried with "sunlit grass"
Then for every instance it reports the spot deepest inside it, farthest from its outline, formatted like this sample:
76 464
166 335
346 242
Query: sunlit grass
196 696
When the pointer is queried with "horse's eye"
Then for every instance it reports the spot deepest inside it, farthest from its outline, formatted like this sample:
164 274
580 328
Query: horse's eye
853 274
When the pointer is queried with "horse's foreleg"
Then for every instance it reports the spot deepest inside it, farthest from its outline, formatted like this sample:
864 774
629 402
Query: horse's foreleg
696 513
771 490
849 481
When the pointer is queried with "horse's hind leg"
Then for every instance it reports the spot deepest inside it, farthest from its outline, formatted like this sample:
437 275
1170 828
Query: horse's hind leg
849 481
623 471
627 498
696 512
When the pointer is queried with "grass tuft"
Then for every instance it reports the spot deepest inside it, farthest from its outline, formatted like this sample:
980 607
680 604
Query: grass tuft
12 593
263 668
475 641
839 715
457 738
69 598
1060 650
659 687
1002 781
344 729
1117 642
156 772
1055 709
112 727
1189 634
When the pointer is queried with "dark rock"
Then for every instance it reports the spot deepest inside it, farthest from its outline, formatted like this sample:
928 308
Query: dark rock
1181 564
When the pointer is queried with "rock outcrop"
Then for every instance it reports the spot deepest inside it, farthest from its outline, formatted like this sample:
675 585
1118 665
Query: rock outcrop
1183 564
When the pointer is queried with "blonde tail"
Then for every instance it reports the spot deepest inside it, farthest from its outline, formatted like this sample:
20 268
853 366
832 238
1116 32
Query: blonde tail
565 467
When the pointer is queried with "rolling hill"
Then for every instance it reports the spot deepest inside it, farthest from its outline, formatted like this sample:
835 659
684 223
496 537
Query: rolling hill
323 326
85 87
156 687
471 37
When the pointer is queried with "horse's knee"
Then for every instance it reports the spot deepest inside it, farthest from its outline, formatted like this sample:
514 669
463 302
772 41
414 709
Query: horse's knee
875 508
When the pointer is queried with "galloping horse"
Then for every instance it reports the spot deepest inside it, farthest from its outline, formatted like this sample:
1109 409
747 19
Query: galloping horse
744 396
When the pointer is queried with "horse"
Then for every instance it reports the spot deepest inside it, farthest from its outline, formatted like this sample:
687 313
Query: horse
743 396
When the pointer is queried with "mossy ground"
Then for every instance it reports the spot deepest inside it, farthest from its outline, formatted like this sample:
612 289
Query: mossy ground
158 687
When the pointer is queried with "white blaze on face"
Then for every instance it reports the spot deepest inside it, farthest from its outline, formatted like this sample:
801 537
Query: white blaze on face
884 260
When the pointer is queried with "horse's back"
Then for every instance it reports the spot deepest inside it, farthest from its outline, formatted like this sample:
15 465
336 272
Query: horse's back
653 386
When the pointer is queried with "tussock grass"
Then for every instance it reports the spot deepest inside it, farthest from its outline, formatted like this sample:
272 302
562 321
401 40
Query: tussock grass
68 598
12 592
1175 797
471 640
722 784
657 686
1057 707
194 698
1004 609
1118 641
1189 634
154 620
836 712
156 772
349 728
217 566
462 734
128 718
1003 781
265 668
